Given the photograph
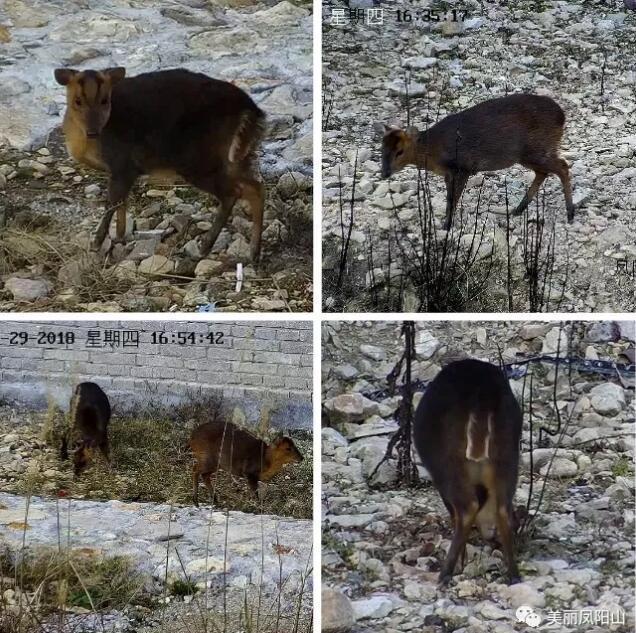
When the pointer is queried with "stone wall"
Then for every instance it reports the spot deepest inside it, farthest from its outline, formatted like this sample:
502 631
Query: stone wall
261 369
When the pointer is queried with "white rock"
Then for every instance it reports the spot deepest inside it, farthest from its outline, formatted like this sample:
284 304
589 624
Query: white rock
28 289
561 467
350 407
203 565
553 339
156 265
350 520
425 345
332 439
523 594
207 268
374 607
607 399
337 615
371 351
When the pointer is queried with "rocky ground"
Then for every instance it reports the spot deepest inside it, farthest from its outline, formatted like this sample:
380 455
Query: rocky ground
150 534
49 205
577 53
383 544
97 514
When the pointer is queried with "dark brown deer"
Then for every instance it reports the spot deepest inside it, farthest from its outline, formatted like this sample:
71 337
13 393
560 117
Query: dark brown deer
521 128
88 426
171 122
223 445
466 430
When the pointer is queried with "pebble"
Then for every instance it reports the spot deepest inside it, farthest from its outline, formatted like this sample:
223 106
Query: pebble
28 289
156 265
337 615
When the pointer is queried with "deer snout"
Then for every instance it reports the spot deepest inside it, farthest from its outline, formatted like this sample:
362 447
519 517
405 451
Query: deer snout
386 168
94 124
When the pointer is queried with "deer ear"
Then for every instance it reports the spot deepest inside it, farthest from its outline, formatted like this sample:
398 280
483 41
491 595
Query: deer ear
115 74
63 76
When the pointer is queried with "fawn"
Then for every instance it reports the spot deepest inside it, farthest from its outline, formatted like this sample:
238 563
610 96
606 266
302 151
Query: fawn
466 430
223 445
170 122
493 135
88 428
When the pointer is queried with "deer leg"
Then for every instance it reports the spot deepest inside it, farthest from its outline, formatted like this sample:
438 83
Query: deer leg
539 177
545 166
254 193
209 239
105 452
252 482
120 229
261 491
449 507
207 480
102 228
464 519
455 184
227 190
119 187
564 177
504 523
195 485
64 448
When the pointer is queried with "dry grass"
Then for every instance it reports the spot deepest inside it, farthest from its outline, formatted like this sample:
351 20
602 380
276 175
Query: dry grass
81 578
41 244
48 584
151 462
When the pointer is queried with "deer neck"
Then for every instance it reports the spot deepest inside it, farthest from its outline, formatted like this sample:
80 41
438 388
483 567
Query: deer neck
270 467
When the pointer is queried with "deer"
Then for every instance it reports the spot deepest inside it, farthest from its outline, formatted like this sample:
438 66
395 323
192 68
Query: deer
224 445
164 124
523 129
89 413
466 430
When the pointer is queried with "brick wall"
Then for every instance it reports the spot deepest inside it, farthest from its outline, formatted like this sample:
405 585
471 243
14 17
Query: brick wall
261 368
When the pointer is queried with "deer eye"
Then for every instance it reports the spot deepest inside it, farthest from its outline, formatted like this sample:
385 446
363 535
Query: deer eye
399 153
78 101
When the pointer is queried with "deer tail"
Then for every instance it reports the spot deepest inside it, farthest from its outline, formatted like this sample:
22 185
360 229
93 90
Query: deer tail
248 135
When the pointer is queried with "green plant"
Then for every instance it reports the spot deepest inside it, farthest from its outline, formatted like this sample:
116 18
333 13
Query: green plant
181 587
622 467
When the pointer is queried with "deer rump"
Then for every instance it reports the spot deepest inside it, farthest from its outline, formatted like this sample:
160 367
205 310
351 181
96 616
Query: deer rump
467 430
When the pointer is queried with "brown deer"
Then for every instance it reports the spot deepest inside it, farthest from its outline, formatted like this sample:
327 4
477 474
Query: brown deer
223 445
171 122
493 135
88 427
466 430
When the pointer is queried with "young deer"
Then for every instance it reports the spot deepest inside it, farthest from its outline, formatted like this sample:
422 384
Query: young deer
88 429
492 135
223 445
466 430
165 123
